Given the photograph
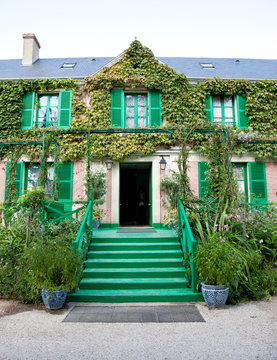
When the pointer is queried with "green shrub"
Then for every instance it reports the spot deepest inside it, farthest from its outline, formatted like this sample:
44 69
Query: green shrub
53 264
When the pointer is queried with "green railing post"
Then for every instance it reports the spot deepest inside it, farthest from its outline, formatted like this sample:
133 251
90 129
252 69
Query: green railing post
189 244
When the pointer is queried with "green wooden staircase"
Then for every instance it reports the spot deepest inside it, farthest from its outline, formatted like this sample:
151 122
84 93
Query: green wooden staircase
134 267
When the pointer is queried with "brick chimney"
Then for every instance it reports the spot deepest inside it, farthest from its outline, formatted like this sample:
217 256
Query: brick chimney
31 48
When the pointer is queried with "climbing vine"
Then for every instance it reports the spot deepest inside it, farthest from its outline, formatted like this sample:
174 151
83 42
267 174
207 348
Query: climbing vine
183 109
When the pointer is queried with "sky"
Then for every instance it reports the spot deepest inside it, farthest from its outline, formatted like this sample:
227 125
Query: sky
186 28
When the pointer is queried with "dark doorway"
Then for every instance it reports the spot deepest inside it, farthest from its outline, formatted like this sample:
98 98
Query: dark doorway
135 196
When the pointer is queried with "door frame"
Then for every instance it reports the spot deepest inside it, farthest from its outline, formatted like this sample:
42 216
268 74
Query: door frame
150 179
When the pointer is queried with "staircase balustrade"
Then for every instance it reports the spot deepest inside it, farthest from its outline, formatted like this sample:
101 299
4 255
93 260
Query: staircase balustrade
189 244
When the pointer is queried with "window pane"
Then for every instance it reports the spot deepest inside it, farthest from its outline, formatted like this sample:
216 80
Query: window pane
42 112
33 174
228 112
130 100
141 111
50 173
43 101
217 112
240 185
130 112
49 187
130 122
141 99
238 172
141 122
227 101
54 100
216 101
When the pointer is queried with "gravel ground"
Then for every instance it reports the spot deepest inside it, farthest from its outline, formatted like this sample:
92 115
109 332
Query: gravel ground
246 331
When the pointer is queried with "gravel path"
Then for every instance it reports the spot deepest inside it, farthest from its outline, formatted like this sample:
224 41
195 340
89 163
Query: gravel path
246 331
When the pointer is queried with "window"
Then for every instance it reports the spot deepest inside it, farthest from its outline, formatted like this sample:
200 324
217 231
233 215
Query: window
207 66
135 110
68 65
32 178
27 178
49 111
252 173
47 115
221 110
240 176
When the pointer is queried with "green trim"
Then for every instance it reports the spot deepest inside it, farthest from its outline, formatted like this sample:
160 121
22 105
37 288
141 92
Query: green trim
150 196
257 177
109 226
47 123
135 106
202 183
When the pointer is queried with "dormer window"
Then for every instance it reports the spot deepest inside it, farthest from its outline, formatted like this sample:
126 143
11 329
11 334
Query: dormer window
207 66
69 65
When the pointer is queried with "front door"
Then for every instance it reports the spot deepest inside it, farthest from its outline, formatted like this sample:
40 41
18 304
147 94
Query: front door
135 194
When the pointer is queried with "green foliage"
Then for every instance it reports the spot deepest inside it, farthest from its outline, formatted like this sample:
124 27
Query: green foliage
171 185
96 186
53 264
16 278
216 262
249 239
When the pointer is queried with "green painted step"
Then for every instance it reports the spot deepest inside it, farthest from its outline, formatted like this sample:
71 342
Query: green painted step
173 245
117 284
133 240
118 273
133 263
142 295
153 254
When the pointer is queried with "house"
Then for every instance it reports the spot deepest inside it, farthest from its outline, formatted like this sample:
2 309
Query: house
136 91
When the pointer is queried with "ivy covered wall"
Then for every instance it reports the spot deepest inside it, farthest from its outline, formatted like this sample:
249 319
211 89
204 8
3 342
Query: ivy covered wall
183 109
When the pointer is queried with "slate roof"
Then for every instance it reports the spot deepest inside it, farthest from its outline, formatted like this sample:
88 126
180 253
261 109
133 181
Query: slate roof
251 69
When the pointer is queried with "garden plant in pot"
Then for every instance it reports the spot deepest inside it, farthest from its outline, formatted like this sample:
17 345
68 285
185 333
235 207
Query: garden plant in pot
218 266
56 269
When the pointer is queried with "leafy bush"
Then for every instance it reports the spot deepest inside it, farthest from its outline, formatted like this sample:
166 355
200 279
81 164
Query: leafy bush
249 236
53 265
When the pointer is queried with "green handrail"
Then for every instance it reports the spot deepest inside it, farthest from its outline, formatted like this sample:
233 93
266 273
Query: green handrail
189 244
85 232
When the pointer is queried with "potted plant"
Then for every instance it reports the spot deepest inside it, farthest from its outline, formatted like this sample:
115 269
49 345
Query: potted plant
56 269
98 215
218 266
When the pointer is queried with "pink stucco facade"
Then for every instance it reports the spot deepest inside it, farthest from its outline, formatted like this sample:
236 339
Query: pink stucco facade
79 170
193 177
3 165
271 181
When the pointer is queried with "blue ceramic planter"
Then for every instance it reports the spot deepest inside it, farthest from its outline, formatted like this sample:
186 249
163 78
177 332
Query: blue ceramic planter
55 299
214 295
96 224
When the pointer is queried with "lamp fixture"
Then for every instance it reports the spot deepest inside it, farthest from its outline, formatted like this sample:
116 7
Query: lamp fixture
163 163
109 164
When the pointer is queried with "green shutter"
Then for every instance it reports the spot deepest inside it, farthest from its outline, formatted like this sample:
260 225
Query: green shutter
257 182
28 105
65 100
243 120
66 182
209 109
17 179
117 108
155 112
203 184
